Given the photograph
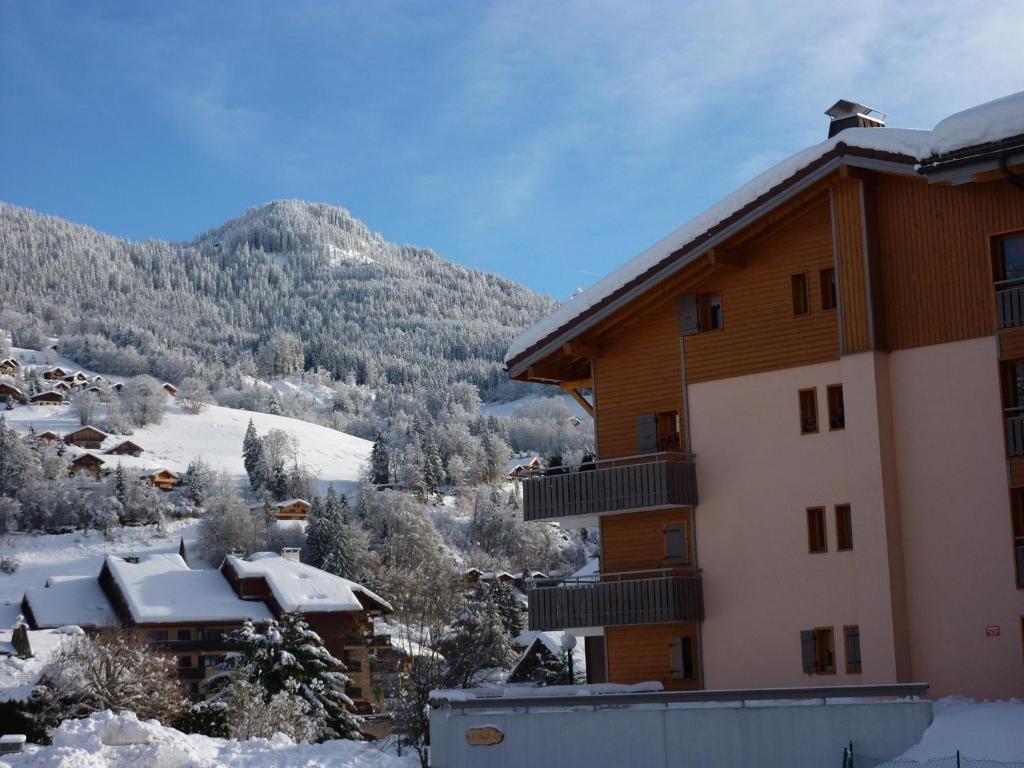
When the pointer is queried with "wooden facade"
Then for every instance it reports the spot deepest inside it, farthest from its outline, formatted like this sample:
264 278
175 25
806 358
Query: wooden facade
293 509
126 448
86 437
47 398
87 464
9 392
164 479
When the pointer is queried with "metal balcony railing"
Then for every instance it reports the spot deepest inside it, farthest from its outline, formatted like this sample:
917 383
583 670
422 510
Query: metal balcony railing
617 599
1010 303
1014 432
628 483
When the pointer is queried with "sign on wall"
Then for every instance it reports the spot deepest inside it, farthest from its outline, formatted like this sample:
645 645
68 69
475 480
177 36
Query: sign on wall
487 736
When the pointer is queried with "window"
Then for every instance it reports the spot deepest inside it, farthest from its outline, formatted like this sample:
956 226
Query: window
816 536
1017 512
808 411
828 288
668 431
836 413
844 527
157 636
184 634
818 652
1013 384
681 658
851 643
213 635
711 312
1008 264
801 302
184 662
676 550
212 661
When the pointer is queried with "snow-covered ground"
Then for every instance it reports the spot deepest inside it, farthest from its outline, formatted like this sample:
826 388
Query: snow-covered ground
216 435
986 730
106 740
68 555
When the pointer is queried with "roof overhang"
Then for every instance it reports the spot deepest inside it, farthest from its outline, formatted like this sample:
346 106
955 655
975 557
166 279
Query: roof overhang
799 182
962 166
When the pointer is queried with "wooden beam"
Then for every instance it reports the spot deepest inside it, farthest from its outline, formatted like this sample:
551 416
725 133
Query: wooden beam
581 349
578 384
724 257
584 403
541 373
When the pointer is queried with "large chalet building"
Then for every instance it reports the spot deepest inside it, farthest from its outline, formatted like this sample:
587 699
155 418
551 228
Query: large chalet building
809 412
186 612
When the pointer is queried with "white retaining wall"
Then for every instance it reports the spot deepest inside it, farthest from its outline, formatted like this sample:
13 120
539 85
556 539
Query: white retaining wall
787 734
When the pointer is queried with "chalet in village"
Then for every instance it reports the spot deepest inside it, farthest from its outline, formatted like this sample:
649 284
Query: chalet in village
809 413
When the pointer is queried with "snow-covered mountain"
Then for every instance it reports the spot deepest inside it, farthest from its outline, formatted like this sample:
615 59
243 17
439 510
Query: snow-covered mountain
359 304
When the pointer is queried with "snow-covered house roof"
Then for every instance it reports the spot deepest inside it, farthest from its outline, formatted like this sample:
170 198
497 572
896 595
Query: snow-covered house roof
979 126
162 589
292 502
77 601
19 676
155 471
297 586
531 642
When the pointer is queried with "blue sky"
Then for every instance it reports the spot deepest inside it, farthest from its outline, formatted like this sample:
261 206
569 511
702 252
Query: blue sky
546 141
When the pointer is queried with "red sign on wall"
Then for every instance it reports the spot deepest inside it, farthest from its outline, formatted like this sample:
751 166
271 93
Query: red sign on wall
992 631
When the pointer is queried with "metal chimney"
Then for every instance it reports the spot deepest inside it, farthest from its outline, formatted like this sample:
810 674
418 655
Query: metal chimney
850 114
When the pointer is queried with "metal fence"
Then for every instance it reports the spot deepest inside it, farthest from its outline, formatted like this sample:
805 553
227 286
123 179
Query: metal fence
853 760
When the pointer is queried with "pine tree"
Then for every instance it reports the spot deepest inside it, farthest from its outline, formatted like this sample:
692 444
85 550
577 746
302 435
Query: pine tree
480 640
433 466
508 606
317 533
197 480
288 656
252 450
380 461
120 486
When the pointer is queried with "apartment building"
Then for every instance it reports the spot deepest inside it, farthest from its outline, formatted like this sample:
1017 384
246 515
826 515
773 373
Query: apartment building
809 410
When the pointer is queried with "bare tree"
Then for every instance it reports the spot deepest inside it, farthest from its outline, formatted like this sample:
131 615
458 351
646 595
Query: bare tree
115 671
86 407
195 396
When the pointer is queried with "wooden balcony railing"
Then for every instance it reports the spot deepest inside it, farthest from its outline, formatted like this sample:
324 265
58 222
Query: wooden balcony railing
612 485
616 599
1014 432
1010 303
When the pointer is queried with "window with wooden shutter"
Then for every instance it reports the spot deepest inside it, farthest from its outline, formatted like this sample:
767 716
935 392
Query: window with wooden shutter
676 550
647 433
687 313
807 651
681 658
817 539
808 411
824 651
844 527
801 301
851 644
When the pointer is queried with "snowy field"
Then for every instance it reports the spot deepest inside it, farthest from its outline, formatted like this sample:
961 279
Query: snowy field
335 458
79 554
106 740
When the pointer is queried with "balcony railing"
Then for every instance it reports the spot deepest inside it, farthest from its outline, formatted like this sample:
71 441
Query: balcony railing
1014 432
178 646
1010 303
612 485
191 673
617 599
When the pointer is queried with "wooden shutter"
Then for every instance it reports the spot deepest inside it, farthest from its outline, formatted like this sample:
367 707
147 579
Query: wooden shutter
675 542
688 314
852 636
647 433
807 653
675 648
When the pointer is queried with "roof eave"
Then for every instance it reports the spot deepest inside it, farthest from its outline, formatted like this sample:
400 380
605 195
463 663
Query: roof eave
840 155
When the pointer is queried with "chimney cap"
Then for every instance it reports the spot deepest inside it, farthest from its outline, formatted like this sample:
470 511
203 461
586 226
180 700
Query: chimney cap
846 108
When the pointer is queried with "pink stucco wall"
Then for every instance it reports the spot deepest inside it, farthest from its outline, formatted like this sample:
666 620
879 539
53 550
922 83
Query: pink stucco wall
954 506
920 461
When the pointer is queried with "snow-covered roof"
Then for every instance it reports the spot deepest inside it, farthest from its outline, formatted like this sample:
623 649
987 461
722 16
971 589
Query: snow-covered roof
298 586
71 601
19 676
290 502
158 471
161 588
990 122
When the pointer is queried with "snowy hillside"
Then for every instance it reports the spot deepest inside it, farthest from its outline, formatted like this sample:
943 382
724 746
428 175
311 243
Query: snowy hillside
216 435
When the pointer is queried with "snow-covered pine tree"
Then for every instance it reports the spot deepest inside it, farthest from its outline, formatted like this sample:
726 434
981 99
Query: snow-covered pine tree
380 461
197 480
289 656
120 486
480 641
433 466
252 451
509 608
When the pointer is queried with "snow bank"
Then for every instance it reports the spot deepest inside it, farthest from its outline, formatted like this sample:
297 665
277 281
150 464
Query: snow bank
980 730
106 740
988 122
19 676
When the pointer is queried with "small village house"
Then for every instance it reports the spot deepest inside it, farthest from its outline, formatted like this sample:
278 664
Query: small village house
126 448
292 509
520 466
9 392
162 478
87 464
171 390
47 398
48 436
86 437
55 374
10 366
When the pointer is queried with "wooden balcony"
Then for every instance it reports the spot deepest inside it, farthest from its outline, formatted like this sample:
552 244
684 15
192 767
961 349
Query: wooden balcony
609 600
1009 304
615 485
